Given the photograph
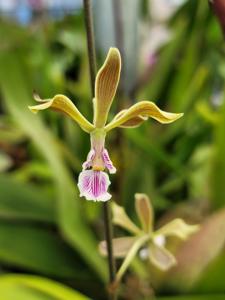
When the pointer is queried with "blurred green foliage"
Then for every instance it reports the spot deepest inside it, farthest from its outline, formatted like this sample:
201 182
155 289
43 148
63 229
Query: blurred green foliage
45 228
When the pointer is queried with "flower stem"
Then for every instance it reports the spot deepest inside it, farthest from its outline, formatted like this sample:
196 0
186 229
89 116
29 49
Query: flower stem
90 42
106 205
108 237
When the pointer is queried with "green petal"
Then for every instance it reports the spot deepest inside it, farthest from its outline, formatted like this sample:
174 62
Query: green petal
63 104
144 211
106 84
161 257
143 109
177 228
121 246
121 219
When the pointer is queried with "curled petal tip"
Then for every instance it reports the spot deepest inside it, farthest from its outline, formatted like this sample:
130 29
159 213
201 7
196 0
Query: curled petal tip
36 96
179 115
34 111
44 105
169 117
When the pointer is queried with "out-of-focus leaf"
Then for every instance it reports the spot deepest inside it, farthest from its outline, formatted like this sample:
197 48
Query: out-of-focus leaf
5 162
154 152
75 41
197 253
164 65
218 7
188 61
14 74
218 162
198 81
194 297
21 287
33 169
25 202
210 281
199 176
36 249
9 132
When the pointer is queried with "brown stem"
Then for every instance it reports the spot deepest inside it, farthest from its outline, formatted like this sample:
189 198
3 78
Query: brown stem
106 205
108 237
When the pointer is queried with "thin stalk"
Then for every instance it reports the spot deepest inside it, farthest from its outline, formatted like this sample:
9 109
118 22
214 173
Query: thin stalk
106 206
90 42
108 237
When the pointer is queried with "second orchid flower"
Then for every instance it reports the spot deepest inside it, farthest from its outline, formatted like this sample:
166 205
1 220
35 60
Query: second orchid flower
93 181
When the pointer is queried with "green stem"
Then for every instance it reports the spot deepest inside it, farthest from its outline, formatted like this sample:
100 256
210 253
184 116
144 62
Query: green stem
90 42
108 237
106 205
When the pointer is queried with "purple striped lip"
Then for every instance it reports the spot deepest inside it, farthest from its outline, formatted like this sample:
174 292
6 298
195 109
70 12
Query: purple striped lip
93 185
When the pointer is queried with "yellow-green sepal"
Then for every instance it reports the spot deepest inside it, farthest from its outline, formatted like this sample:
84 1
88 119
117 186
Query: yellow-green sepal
64 105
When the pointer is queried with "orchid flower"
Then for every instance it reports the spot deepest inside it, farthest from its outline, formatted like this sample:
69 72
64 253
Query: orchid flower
93 181
148 242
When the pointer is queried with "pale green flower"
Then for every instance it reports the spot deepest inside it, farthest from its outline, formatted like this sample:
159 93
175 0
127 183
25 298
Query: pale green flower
153 242
93 181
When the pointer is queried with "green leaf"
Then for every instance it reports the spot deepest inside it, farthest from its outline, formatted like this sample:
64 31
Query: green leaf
21 287
23 201
211 280
218 163
193 297
165 64
70 219
5 162
36 249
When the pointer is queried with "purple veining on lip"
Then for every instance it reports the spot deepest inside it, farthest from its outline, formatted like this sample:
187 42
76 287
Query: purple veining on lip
88 163
93 185
107 161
